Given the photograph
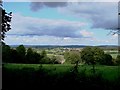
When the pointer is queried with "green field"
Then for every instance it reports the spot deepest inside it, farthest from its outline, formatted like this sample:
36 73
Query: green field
108 72
114 55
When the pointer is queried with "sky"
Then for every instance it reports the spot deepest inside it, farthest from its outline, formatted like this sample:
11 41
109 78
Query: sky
62 23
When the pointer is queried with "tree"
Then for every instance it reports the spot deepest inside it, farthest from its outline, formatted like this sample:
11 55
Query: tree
29 55
72 57
43 53
32 57
53 59
98 54
44 58
9 55
92 55
66 56
14 57
87 55
36 58
107 60
6 53
21 52
6 19
118 60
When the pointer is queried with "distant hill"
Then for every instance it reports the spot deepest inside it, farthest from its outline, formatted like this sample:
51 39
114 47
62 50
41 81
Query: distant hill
65 46
51 46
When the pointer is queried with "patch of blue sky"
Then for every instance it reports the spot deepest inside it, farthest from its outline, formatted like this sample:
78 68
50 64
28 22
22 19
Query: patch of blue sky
100 33
46 12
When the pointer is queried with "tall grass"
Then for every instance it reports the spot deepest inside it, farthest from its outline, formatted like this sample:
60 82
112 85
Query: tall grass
54 76
108 72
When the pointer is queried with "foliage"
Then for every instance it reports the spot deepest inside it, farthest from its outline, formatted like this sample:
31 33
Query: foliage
43 54
44 58
14 56
21 52
107 60
98 54
94 55
53 59
72 57
6 53
6 19
32 57
87 55
33 76
23 55
118 60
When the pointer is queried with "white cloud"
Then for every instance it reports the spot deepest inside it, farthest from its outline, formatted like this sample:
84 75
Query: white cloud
85 33
61 0
115 36
22 25
51 40
101 14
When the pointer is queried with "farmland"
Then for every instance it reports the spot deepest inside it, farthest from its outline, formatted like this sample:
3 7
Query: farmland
60 50
41 75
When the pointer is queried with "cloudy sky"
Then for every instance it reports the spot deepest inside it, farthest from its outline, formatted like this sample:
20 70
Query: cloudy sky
62 23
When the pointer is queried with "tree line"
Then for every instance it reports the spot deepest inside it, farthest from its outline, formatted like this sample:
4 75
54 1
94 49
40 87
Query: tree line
27 56
91 56
88 55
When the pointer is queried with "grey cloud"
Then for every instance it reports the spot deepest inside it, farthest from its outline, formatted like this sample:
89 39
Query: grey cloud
35 6
46 27
59 31
101 14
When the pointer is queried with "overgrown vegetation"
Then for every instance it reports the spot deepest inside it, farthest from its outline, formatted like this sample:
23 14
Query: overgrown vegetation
21 76
88 55
5 21
26 56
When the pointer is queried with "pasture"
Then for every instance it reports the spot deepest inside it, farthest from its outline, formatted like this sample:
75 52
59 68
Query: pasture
108 72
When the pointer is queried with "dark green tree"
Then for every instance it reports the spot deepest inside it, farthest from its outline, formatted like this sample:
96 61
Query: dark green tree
107 60
87 55
37 58
32 57
14 56
118 60
5 21
6 53
98 54
29 56
92 55
21 52
9 55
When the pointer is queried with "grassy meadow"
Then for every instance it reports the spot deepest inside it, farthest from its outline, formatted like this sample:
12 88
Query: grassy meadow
108 72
